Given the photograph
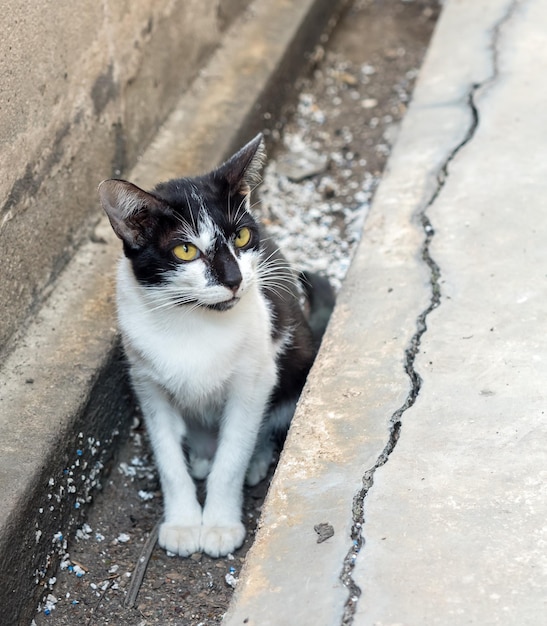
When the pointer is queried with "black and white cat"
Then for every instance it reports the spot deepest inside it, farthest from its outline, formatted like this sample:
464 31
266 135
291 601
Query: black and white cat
218 345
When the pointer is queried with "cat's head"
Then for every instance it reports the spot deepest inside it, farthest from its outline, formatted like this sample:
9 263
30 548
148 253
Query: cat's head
191 240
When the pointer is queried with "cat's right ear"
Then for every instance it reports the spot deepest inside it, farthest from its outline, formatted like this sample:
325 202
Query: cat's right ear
242 170
132 212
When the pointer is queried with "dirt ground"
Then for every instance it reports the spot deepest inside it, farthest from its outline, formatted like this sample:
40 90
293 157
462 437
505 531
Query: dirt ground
345 121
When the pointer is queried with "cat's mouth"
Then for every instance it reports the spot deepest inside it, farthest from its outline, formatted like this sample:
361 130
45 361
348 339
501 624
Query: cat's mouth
223 306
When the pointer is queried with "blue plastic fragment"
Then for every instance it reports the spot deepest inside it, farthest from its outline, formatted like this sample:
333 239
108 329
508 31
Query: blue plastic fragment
79 452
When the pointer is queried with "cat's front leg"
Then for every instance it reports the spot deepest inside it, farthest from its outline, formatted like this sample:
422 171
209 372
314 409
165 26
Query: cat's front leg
222 529
180 531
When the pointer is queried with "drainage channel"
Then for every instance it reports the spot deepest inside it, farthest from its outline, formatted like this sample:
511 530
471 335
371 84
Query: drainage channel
346 119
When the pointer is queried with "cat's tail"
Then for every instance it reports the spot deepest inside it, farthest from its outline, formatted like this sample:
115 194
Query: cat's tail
321 299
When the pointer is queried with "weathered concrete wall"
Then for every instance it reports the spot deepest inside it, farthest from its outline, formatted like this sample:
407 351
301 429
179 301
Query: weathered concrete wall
83 89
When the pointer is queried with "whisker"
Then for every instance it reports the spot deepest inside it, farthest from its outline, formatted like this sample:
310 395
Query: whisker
276 262
239 214
279 290
170 303
166 297
284 279
285 282
194 225
281 268
255 186
252 206
276 265
229 208
276 251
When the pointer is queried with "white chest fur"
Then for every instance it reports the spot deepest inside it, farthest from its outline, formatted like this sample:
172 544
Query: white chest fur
194 353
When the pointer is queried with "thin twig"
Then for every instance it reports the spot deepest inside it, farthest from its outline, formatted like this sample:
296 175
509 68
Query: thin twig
99 602
140 568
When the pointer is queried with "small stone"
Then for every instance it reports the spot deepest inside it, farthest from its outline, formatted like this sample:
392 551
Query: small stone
347 78
301 165
231 580
324 531
369 103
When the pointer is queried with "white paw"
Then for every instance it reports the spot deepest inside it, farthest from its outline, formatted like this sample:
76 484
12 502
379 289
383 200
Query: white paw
258 468
181 540
221 540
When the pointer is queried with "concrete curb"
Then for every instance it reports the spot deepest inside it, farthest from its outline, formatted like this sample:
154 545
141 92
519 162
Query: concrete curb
64 397
436 497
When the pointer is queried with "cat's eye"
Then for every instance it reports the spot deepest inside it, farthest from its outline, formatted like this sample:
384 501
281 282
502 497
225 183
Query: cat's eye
243 236
186 252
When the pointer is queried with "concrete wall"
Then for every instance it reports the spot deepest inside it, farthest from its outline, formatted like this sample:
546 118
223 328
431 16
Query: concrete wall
83 88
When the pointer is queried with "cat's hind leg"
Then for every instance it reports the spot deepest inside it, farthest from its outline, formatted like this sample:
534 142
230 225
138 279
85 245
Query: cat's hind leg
199 466
201 444
262 458
273 429
260 464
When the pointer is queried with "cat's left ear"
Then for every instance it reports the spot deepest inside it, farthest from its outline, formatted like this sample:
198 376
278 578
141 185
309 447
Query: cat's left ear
132 212
242 170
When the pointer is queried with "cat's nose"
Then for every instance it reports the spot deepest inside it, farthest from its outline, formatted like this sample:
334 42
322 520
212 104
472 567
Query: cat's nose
234 286
231 278
226 268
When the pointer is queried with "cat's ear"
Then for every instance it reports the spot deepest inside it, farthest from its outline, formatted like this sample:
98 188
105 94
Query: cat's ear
132 212
242 170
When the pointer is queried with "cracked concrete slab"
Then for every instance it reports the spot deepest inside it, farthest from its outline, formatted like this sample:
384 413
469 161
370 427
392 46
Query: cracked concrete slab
420 436
455 523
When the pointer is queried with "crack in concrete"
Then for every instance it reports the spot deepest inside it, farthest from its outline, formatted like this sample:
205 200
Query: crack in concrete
395 422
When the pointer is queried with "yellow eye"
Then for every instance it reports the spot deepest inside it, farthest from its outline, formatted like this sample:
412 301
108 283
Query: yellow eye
186 252
243 236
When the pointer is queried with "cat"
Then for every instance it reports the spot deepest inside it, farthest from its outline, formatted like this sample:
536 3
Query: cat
218 345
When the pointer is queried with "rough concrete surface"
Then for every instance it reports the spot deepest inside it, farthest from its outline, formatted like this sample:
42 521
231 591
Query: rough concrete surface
62 386
63 399
420 436
82 91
